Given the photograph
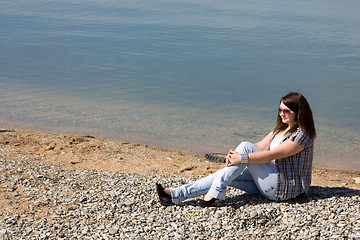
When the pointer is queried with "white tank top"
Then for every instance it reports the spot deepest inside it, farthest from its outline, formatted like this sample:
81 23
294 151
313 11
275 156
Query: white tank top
275 142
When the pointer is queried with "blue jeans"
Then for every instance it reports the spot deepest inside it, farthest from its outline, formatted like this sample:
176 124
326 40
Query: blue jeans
259 179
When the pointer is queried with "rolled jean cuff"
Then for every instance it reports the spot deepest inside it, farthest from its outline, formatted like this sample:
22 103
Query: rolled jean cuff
217 194
175 196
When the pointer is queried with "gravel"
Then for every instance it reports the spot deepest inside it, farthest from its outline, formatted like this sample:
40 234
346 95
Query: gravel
50 202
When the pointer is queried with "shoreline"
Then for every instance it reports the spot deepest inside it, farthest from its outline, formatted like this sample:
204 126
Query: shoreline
326 155
100 154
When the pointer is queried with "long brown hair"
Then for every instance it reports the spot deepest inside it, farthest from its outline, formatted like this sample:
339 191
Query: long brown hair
304 117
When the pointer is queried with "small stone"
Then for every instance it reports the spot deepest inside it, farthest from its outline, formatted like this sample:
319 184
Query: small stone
85 230
113 230
253 214
16 194
315 233
357 180
101 227
227 228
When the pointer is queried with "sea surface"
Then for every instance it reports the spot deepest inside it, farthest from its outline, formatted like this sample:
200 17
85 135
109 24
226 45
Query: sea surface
197 76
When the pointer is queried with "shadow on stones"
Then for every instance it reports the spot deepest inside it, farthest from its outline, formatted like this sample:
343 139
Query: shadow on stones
318 193
315 193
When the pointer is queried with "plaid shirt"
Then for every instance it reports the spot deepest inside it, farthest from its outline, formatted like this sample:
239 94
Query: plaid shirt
294 172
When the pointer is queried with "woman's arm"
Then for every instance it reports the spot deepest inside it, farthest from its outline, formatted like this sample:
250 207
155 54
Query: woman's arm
283 150
264 144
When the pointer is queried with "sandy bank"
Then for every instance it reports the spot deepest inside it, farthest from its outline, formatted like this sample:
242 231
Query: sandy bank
93 153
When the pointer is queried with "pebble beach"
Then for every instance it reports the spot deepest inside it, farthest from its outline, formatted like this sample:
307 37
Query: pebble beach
82 187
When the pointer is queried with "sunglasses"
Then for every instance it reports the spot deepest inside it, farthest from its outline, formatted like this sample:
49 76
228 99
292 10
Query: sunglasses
284 111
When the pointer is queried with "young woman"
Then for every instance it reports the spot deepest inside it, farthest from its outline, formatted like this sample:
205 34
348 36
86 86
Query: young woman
278 167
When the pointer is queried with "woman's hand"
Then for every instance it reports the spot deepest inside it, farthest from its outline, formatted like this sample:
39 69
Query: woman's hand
233 158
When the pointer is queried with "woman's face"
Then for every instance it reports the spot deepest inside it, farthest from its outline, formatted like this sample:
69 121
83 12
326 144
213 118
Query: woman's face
287 115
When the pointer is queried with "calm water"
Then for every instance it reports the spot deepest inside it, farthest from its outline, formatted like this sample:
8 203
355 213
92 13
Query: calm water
197 76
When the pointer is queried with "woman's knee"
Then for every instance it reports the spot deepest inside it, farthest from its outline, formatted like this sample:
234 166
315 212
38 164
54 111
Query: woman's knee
246 147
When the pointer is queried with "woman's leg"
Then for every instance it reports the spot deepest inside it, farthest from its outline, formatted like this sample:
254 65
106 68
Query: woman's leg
264 176
266 179
215 184
252 178
191 190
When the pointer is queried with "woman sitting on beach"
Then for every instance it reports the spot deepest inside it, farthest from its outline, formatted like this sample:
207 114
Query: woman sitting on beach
278 167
